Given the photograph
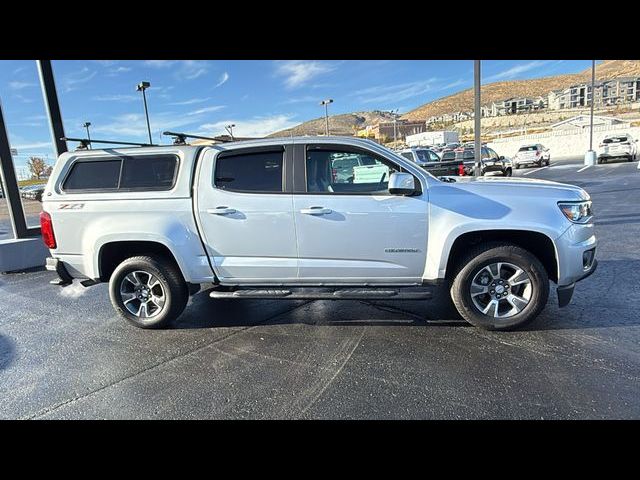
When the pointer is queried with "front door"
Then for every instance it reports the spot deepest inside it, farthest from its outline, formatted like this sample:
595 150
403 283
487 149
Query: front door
350 229
245 216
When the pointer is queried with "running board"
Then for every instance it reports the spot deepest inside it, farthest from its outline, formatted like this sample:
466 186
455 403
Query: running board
333 294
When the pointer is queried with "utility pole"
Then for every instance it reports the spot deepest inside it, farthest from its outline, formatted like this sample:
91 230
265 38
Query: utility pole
477 117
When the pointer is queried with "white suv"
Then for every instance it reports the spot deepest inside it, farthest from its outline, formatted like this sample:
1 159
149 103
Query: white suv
272 219
618 146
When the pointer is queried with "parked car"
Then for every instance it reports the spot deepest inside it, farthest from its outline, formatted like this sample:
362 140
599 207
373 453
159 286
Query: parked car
267 219
25 192
618 146
490 161
431 162
534 154
35 193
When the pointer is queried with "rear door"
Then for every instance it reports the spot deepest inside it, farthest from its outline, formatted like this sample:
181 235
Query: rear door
245 214
355 233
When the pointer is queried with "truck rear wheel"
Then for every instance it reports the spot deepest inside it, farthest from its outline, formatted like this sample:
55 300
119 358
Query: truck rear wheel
148 292
500 286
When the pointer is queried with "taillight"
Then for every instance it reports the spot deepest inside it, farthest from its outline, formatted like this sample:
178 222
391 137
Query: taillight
537 153
46 228
461 170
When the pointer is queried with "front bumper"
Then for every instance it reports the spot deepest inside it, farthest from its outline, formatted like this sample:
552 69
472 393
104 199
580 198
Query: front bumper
565 292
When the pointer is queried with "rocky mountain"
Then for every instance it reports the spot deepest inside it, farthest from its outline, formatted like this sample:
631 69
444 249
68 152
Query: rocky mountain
345 124
493 92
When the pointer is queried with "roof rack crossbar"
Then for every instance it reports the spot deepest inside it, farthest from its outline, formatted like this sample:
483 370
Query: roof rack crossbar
85 142
180 138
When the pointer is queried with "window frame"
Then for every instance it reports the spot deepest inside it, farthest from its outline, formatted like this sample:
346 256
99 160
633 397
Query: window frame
301 159
285 188
121 159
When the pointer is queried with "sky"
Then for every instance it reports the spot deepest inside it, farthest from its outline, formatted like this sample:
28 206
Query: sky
201 97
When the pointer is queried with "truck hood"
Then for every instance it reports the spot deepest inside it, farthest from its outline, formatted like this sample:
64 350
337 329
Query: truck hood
519 187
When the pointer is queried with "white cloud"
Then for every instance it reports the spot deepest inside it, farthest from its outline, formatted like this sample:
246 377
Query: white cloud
223 79
116 98
253 127
159 63
299 72
515 71
200 111
32 146
185 69
16 85
305 99
395 93
71 81
117 70
106 63
191 101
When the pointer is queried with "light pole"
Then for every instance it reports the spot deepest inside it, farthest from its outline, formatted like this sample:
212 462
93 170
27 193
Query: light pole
590 156
229 129
142 86
86 125
477 117
326 114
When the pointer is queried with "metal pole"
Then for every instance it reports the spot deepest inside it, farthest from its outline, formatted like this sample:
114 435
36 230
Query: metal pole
51 104
326 119
146 114
477 115
593 98
86 125
10 186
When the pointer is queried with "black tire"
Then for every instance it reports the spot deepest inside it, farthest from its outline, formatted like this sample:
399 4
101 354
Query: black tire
507 173
175 291
484 255
517 167
630 158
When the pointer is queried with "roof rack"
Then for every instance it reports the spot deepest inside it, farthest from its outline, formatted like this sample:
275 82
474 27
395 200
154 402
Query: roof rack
181 138
85 143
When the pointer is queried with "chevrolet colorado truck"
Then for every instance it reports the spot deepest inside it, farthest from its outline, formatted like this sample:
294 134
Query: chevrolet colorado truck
271 219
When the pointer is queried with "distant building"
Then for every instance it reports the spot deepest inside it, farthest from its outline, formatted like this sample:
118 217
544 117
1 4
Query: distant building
514 105
385 130
606 93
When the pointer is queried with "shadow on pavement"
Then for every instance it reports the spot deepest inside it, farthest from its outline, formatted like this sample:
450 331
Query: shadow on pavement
7 351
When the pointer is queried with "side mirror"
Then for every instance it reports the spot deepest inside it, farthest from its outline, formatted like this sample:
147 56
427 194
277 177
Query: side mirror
501 157
401 183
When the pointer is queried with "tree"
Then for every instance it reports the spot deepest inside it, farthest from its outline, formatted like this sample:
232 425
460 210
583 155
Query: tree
38 167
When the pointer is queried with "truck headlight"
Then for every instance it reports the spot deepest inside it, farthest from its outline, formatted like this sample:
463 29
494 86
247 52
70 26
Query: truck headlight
577 212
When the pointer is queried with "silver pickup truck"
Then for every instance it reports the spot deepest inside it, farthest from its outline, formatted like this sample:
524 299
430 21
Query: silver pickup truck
273 219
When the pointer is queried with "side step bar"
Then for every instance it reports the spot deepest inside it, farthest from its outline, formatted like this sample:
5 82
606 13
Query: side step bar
330 294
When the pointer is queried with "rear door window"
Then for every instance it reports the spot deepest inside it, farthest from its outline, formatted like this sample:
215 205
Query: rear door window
250 172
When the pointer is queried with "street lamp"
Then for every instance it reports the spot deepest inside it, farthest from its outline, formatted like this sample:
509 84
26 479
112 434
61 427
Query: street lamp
141 87
229 129
326 114
86 125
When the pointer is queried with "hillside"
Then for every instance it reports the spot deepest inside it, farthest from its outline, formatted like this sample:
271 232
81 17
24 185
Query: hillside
344 124
492 92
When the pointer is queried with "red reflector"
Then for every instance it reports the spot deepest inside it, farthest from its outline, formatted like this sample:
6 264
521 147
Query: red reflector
461 170
46 228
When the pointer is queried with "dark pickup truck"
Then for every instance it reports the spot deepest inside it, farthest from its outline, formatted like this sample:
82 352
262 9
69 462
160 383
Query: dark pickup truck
434 164
490 160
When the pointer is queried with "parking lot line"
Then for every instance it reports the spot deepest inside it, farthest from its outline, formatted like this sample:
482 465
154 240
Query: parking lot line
583 168
536 170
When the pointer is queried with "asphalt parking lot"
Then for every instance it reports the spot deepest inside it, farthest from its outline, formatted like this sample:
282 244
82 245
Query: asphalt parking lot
65 354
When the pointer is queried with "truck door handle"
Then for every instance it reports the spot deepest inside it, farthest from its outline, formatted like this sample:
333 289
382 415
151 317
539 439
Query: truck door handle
221 211
315 211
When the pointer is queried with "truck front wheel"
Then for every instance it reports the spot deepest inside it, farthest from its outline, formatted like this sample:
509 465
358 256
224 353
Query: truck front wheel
499 286
148 291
